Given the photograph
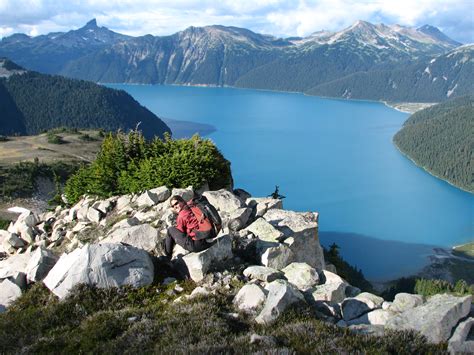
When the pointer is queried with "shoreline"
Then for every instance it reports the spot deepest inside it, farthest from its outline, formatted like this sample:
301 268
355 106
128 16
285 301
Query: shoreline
427 170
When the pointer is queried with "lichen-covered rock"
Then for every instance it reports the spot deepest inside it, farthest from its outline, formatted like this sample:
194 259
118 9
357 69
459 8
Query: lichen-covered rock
250 298
434 319
461 342
331 292
263 273
277 256
265 231
301 275
300 234
100 265
41 262
223 200
142 236
375 317
405 301
281 295
198 264
363 303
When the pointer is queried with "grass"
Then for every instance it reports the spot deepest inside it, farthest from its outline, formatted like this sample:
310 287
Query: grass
147 320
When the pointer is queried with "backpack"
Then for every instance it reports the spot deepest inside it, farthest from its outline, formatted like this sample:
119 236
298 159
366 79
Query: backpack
210 223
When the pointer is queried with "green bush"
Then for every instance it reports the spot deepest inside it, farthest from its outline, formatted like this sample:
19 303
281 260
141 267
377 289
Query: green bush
129 163
432 287
54 139
20 180
4 223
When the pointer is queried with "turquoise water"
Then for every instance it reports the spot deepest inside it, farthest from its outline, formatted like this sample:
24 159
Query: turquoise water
335 157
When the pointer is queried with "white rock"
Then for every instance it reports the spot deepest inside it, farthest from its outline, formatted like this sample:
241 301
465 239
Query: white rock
142 236
40 263
281 295
331 292
301 275
301 233
94 215
263 204
277 257
434 319
265 231
238 219
263 273
405 301
250 298
146 199
363 303
9 292
123 202
460 342
186 193
162 193
100 265
223 200
375 317
198 264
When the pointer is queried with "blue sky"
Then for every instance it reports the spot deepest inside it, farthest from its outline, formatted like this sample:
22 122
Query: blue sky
281 18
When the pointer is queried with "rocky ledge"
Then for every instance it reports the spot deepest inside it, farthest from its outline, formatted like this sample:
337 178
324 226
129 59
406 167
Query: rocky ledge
275 253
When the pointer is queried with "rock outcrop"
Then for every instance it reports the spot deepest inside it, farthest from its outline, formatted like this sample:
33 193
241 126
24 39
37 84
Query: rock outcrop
274 254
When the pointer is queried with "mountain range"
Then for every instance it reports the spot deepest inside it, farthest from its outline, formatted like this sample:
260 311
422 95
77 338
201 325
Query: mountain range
362 61
31 103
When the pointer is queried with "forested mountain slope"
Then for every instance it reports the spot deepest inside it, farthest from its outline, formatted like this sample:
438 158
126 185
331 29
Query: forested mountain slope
430 80
32 102
440 139
231 56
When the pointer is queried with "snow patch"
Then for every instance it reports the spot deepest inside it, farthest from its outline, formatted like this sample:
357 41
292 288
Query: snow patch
450 92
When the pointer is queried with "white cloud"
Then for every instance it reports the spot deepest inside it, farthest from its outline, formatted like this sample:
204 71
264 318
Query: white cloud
278 17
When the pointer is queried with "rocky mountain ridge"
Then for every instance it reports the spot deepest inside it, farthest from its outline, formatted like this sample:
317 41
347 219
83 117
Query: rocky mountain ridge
275 254
220 55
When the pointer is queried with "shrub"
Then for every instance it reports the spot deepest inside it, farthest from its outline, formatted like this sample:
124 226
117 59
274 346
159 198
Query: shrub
129 163
54 139
146 320
432 287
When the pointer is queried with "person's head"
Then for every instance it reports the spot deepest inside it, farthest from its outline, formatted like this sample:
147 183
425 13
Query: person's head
177 203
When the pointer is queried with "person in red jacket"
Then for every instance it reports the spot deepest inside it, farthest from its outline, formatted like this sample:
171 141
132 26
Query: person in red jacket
183 234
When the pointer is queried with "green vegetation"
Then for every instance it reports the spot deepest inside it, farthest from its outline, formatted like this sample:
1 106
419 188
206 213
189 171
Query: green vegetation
129 163
439 139
4 223
427 287
146 320
54 138
465 250
354 276
20 180
32 103
432 287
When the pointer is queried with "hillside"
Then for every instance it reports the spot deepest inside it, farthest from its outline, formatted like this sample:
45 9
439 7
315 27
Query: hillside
434 80
35 102
219 55
439 139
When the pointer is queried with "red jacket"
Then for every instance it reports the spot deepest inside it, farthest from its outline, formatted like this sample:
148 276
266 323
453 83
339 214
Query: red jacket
186 222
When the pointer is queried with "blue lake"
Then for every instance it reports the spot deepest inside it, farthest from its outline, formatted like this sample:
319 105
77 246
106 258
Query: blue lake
335 157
